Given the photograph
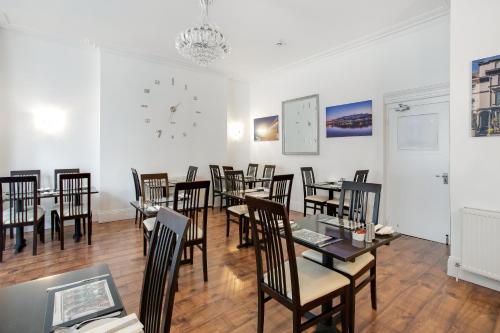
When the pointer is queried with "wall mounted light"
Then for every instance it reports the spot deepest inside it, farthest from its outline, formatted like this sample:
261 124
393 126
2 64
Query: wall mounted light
235 130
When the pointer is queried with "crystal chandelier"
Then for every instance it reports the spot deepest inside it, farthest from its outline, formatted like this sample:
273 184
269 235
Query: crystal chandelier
202 43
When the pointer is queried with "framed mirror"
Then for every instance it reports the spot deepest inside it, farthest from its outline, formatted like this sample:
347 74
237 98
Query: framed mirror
300 119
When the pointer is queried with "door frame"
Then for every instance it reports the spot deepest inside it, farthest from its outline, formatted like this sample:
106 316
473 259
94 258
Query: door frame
440 90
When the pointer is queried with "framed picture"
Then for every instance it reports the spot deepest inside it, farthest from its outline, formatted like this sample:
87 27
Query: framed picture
354 119
485 113
301 126
266 129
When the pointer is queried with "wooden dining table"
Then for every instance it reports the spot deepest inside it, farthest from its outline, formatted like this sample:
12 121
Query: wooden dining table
345 248
23 306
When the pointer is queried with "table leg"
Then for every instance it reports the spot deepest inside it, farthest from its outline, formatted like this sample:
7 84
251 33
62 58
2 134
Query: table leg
20 241
77 236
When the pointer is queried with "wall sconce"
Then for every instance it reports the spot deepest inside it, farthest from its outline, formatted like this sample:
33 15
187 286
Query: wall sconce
235 131
49 119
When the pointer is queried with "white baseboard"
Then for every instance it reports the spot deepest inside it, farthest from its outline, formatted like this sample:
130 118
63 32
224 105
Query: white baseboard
455 271
116 215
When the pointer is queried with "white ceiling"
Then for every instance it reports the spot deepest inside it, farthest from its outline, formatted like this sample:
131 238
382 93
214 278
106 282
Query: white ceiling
149 27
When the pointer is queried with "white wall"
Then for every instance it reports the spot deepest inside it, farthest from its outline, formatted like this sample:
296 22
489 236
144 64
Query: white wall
415 58
238 127
474 162
127 141
49 111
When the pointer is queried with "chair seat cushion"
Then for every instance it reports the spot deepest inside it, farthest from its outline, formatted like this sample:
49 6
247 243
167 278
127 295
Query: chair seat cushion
73 210
315 280
238 210
350 268
149 224
20 217
317 198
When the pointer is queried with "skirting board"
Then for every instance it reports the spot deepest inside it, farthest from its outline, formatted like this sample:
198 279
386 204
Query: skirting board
455 271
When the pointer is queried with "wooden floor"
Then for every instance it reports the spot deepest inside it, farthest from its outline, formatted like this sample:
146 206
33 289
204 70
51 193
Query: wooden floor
414 292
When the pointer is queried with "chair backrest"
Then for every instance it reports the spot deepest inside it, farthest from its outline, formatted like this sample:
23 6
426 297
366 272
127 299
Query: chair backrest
74 195
270 251
24 173
154 187
17 197
191 200
308 179
281 190
252 170
162 268
361 175
191 175
235 180
216 178
360 195
268 173
227 168
57 172
137 183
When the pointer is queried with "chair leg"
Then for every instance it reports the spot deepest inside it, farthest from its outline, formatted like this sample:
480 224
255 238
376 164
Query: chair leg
345 310
191 255
228 223
373 286
144 244
61 233
11 230
352 305
136 215
205 261
240 230
41 230
315 209
35 236
296 322
51 225
260 315
89 235
305 208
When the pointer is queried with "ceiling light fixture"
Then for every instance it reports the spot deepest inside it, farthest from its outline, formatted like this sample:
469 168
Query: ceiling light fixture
202 43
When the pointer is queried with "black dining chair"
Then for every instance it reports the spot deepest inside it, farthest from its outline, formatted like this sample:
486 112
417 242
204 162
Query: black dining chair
217 185
137 189
298 284
194 205
310 195
154 191
162 270
19 202
191 174
268 173
57 173
332 205
364 200
74 203
25 173
235 182
252 170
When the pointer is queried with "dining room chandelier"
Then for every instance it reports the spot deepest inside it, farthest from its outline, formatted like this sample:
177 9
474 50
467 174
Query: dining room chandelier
202 43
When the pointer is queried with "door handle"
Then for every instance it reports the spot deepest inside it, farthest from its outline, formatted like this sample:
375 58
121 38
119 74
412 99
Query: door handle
444 176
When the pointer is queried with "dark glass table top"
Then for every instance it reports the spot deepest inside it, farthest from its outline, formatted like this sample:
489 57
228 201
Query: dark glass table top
23 305
346 249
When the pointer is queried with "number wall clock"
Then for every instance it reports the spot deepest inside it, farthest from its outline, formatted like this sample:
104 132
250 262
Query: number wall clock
170 109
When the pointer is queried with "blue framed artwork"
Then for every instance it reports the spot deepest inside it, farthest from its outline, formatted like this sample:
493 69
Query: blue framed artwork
353 119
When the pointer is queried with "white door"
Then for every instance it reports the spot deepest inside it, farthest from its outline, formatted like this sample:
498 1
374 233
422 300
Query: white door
418 165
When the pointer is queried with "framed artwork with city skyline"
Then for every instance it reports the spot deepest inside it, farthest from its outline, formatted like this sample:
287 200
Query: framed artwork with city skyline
266 129
485 105
353 119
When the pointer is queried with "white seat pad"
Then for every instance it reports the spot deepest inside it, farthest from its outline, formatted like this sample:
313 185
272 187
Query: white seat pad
73 210
21 218
317 198
149 223
315 280
350 268
238 210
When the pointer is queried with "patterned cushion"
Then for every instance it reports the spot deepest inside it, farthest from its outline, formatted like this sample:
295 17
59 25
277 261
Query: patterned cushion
317 198
238 210
21 218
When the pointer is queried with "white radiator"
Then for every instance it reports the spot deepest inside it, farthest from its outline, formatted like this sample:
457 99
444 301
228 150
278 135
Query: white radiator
481 242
